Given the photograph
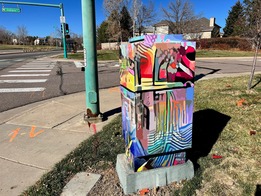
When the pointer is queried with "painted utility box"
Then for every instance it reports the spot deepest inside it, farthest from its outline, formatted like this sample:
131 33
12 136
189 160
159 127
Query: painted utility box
157 89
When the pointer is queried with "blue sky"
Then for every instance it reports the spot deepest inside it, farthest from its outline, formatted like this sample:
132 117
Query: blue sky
42 21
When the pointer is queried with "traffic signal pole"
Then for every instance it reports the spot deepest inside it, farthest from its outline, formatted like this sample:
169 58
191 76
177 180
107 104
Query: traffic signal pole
90 61
46 5
63 33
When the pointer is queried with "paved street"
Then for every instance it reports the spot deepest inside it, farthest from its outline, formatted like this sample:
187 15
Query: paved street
35 80
206 67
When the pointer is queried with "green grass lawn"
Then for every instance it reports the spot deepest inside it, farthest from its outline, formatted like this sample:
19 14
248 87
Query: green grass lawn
226 123
21 47
223 53
114 54
102 55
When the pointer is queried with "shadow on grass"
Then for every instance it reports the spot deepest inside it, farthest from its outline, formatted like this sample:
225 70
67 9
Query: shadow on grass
212 71
258 190
207 126
256 83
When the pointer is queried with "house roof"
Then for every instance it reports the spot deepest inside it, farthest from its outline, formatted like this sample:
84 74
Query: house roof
202 24
162 23
149 29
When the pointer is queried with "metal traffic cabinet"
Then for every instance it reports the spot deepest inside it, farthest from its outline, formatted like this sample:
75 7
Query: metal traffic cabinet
157 90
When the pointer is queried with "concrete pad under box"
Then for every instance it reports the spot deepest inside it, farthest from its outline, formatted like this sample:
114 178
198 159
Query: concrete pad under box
132 182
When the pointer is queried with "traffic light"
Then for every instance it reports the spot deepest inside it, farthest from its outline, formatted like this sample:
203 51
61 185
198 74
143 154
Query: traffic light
66 28
61 28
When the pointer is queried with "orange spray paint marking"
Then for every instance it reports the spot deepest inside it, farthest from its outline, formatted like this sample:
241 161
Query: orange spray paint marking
32 134
93 127
15 132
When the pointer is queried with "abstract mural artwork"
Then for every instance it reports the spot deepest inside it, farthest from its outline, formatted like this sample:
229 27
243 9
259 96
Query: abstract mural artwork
157 93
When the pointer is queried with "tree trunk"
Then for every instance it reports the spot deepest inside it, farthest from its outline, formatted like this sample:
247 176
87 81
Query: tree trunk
253 67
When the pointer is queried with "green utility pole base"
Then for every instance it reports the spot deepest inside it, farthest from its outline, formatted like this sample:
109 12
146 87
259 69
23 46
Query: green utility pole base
94 119
90 61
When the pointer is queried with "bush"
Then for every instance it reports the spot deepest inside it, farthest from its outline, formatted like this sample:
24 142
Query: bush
224 43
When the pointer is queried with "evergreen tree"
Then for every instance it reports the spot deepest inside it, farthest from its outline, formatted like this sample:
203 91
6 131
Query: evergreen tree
114 29
102 33
253 16
126 24
235 21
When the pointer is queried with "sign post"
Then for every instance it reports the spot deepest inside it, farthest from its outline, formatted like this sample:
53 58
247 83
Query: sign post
18 10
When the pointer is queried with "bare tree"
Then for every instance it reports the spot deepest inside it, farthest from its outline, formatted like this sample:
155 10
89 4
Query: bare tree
5 36
145 16
22 34
136 6
180 15
253 16
112 9
111 6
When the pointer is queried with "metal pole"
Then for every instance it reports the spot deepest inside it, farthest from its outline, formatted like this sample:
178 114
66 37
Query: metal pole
45 5
90 60
29 3
64 39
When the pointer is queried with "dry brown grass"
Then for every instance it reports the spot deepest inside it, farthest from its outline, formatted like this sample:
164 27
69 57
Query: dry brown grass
239 170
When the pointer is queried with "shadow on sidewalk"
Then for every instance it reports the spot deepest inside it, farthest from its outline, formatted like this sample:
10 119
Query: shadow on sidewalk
207 126
111 113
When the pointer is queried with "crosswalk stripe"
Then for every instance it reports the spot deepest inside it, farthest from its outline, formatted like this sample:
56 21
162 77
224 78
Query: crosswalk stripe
41 67
29 71
20 90
26 68
78 64
24 75
24 81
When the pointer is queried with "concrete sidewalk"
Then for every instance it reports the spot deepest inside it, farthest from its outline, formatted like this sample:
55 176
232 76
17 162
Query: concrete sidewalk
35 137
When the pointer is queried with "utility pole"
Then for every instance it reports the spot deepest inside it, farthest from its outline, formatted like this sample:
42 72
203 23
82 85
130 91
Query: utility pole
90 61
63 33
44 5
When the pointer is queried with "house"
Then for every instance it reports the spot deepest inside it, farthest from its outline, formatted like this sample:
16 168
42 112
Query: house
145 31
40 41
14 41
201 28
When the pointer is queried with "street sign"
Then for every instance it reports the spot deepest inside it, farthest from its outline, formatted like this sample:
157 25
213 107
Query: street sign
11 10
62 19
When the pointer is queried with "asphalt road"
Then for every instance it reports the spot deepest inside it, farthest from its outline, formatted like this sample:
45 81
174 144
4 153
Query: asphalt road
8 59
34 80
48 83
217 66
